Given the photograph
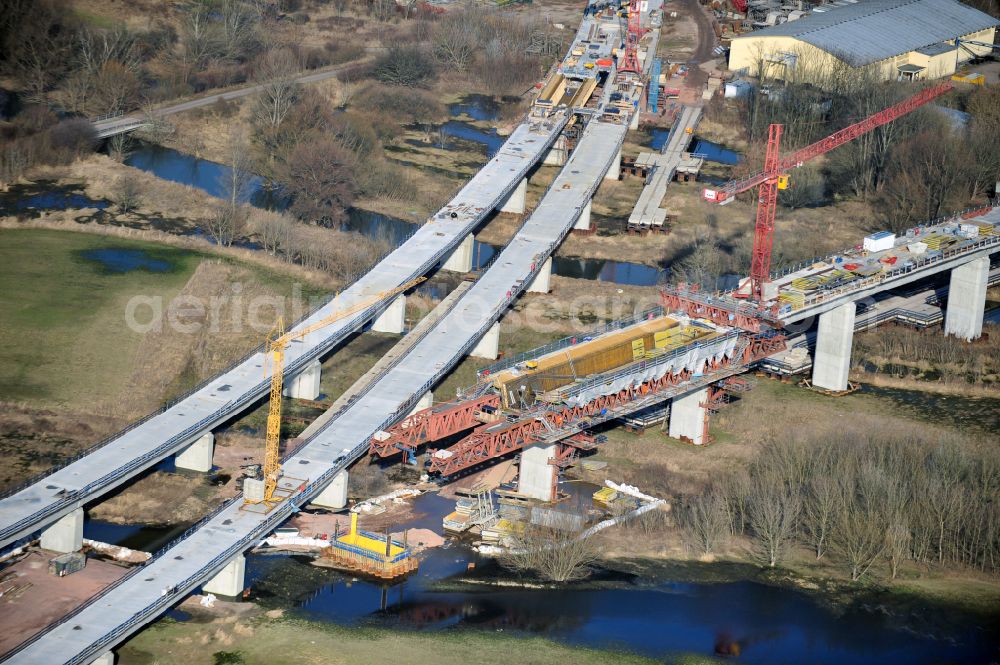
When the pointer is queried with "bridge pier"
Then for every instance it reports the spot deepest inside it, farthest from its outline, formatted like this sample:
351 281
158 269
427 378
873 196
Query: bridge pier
832 359
306 384
541 283
583 221
967 299
615 171
634 122
393 318
426 401
557 154
197 456
489 346
460 259
106 658
536 477
688 416
515 202
334 495
230 580
65 534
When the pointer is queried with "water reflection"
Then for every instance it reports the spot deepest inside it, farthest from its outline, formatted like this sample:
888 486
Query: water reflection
713 152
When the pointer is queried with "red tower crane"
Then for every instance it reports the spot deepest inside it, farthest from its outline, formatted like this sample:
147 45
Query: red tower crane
774 177
630 61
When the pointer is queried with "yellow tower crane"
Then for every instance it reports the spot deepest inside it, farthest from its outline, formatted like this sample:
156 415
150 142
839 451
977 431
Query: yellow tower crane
277 342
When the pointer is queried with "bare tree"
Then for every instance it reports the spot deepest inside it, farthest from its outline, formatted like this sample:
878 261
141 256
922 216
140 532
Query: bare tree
120 146
454 41
272 230
773 509
275 70
705 521
236 180
821 510
319 176
560 552
225 224
860 531
126 193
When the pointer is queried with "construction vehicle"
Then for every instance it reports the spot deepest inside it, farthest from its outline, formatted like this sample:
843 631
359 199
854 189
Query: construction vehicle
277 342
775 177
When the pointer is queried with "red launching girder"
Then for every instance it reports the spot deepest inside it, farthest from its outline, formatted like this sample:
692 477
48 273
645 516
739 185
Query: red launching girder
742 316
430 425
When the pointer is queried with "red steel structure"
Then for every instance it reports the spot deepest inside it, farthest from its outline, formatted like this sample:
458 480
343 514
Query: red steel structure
431 424
630 61
775 166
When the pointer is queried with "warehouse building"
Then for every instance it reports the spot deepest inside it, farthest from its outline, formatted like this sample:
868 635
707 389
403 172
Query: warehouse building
897 39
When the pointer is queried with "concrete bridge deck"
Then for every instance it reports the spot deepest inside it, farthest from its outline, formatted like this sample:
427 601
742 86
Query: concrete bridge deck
179 569
147 442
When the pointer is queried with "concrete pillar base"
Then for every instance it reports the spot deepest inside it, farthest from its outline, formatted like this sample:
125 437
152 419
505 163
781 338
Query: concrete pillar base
334 495
393 318
461 258
489 346
536 477
515 202
557 154
106 658
688 416
583 221
197 456
832 359
230 580
634 123
967 299
615 172
426 401
66 534
306 384
542 281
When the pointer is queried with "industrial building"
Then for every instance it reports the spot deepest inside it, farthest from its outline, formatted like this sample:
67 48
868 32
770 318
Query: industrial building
898 39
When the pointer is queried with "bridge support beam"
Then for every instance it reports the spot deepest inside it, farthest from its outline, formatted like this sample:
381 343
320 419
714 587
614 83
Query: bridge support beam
542 281
832 359
688 416
306 384
426 401
536 477
393 318
489 346
615 171
583 221
66 534
557 154
967 299
460 259
334 495
515 202
197 456
230 580
106 658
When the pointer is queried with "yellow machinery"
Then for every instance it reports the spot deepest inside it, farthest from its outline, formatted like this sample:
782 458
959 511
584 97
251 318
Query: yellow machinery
276 344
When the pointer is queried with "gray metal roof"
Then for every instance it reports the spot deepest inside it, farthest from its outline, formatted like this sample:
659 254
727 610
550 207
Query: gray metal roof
874 30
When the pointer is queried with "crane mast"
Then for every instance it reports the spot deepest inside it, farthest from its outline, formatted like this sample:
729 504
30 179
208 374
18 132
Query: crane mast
630 61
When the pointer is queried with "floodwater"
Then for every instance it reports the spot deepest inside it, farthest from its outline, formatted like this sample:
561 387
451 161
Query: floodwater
712 152
119 260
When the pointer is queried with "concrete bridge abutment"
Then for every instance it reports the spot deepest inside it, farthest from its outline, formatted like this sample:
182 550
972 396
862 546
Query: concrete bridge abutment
64 535
967 299
426 401
106 658
230 581
832 358
460 260
558 153
393 318
306 384
197 456
536 477
688 416
334 495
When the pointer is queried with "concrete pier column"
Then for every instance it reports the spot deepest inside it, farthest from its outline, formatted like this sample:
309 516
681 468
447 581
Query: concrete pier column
106 658
230 580
66 534
537 477
583 222
542 281
615 171
197 456
634 122
687 416
515 202
334 495
832 360
489 346
306 384
393 318
426 401
558 153
967 299
460 260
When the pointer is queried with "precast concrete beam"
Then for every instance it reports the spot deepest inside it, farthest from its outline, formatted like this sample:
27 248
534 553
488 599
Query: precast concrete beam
515 202
334 495
66 534
489 346
230 581
615 171
460 259
832 359
306 384
393 318
583 221
688 416
967 299
542 282
536 477
197 456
